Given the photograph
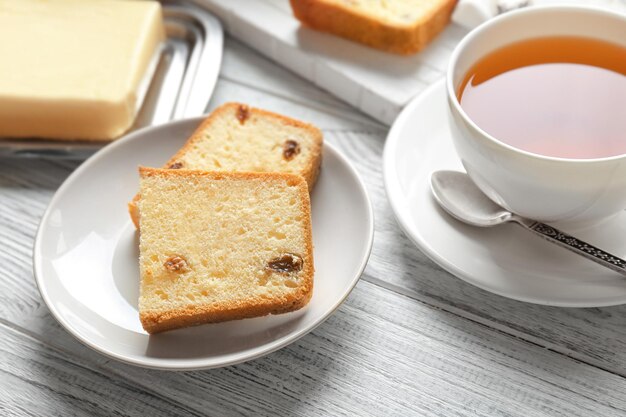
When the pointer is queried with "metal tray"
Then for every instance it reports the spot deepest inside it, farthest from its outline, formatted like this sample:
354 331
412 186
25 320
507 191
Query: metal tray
178 83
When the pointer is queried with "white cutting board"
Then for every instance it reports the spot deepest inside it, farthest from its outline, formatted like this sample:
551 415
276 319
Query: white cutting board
377 83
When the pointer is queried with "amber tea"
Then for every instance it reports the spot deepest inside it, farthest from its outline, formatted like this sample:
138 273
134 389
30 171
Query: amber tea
555 96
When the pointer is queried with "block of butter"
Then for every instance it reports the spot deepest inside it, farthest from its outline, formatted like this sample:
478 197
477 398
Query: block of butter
70 69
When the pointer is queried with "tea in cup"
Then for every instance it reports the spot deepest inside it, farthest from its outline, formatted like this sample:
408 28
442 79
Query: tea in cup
537 99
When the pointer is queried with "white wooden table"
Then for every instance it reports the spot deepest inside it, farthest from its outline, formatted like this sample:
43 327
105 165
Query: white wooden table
410 340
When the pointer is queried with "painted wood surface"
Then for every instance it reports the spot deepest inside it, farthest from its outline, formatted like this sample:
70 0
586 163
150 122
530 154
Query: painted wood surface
410 340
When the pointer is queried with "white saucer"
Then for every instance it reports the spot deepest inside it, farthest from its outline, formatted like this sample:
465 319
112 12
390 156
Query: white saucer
505 260
86 259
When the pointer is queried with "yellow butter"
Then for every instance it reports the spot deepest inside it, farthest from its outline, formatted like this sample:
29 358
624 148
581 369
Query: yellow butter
70 69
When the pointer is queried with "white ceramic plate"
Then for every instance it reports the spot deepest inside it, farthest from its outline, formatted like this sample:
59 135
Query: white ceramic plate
505 260
86 259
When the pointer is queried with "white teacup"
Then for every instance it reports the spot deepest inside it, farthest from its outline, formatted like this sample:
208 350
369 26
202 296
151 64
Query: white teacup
575 191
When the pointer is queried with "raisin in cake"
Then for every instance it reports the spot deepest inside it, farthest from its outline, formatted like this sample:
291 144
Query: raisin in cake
236 137
217 246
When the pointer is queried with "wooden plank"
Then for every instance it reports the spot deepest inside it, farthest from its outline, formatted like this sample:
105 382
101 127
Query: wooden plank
380 354
40 381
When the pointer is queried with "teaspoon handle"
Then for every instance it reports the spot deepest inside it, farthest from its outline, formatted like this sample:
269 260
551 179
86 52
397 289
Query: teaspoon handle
578 246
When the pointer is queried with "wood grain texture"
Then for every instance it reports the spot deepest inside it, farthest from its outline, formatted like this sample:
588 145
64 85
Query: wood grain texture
380 354
37 380
410 340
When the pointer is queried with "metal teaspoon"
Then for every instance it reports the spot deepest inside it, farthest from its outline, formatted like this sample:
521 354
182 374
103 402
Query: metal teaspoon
462 199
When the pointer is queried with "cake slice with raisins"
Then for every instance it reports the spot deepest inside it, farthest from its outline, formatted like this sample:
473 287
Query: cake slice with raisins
217 246
236 137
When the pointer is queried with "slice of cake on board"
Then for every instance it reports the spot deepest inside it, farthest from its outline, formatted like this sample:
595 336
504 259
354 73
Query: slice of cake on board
217 246
398 26
236 137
